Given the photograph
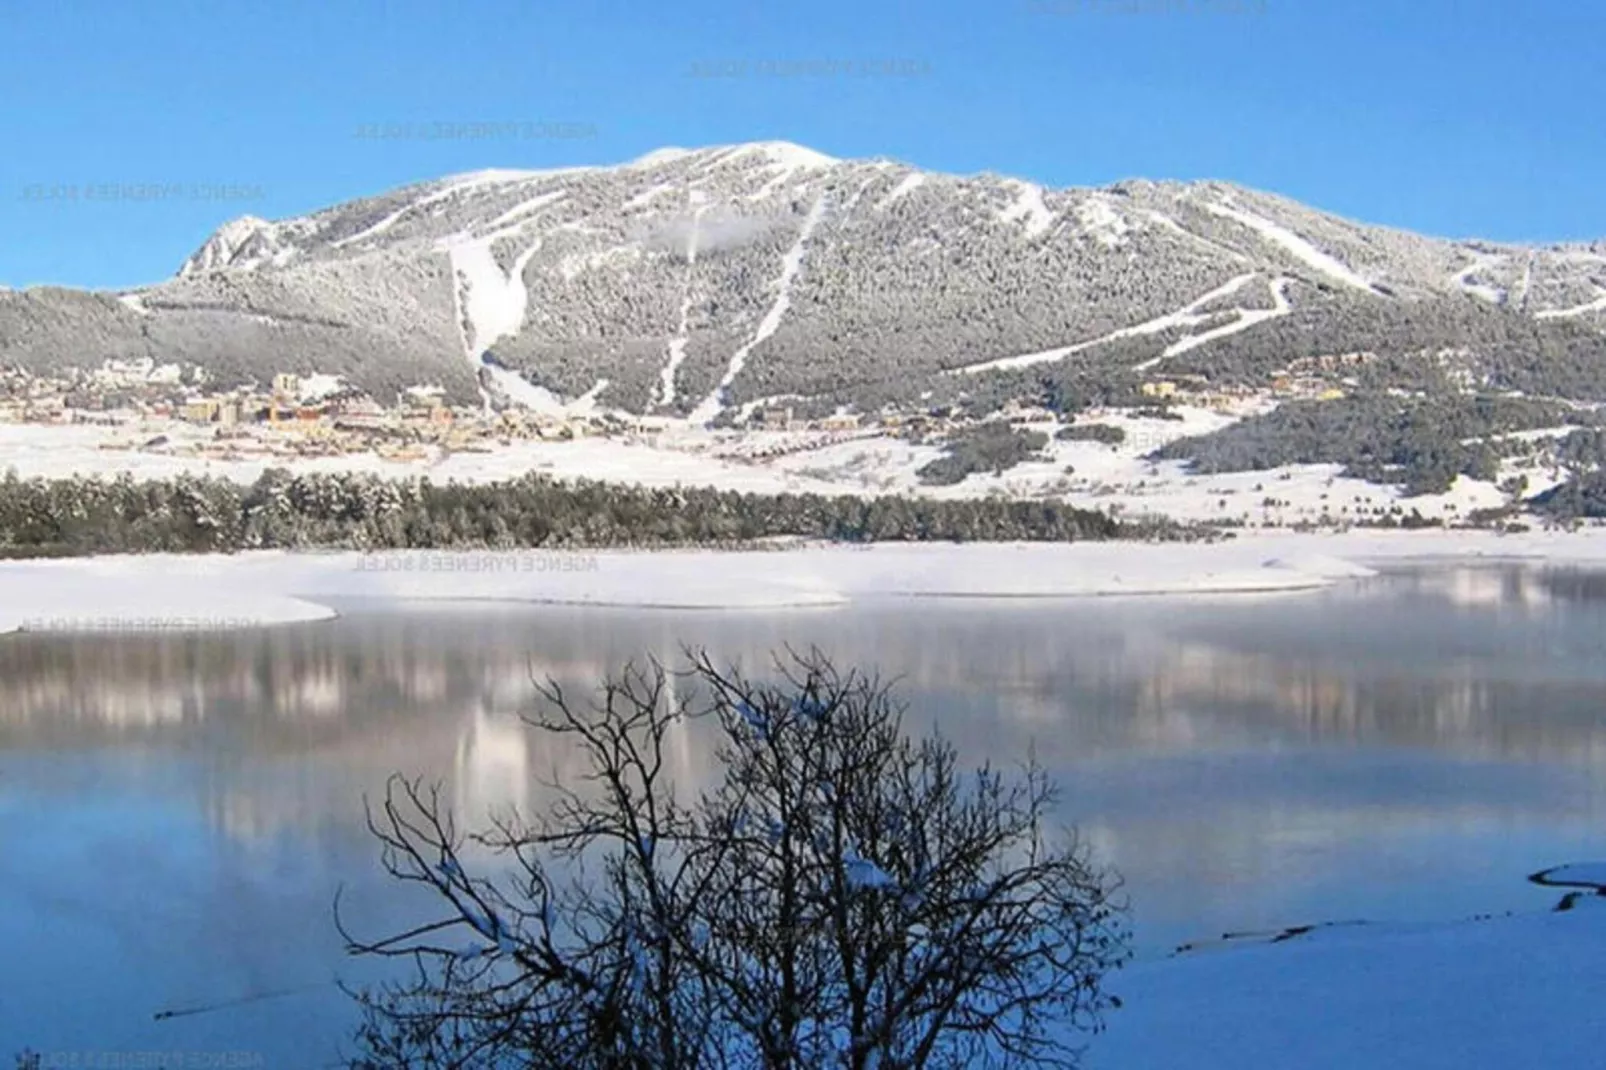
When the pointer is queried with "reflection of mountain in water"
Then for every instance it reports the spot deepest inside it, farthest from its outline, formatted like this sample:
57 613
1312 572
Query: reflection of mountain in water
1449 659
492 767
1423 738
1489 663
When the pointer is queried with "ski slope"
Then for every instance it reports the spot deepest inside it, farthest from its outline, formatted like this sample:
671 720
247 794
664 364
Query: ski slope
1291 243
1247 318
1463 278
1186 316
454 187
1597 305
791 264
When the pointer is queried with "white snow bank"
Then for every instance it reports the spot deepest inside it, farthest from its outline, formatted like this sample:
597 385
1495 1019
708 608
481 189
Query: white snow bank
266 587
259 588
1517 991
133 594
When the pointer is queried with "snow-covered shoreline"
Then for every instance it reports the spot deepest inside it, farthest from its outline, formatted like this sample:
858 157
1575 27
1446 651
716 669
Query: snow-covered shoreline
1510 991
212 592
128 594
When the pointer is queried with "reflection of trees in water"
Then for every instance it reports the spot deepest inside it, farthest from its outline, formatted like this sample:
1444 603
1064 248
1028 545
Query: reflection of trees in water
321 680
491 769
1509 585
992 678
1574 584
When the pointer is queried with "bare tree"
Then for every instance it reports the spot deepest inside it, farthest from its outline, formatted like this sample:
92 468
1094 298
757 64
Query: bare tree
844 896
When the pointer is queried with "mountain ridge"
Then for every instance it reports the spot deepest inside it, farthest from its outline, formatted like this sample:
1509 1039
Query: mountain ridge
701 282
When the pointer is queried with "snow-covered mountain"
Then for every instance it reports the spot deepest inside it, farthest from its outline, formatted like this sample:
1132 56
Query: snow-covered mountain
693 281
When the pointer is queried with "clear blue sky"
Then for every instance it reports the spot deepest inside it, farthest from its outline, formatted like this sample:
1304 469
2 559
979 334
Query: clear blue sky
1466 118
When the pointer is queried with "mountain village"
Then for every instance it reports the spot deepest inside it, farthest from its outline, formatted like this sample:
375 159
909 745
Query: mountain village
166 409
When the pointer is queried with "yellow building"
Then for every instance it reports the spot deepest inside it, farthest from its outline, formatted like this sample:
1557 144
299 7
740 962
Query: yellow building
200 410
1163 389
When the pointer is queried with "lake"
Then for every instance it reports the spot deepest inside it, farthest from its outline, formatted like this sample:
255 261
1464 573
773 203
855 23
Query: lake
177 812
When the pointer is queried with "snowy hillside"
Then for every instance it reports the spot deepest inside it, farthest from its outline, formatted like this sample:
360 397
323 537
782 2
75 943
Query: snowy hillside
695 281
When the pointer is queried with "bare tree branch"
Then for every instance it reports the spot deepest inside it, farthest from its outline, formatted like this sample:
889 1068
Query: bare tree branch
841 896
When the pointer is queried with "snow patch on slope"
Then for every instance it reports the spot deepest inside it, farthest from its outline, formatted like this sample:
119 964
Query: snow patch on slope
1103 222
503 176
657 157
791 264
1028 206
677 357
910 182
490 307
520 391
677 344
493 303
785 154
1293 244
586 404
390 220
1520 298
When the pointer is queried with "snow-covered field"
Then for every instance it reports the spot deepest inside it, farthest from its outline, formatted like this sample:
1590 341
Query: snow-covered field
1086 474
190 591
61 452
1498 994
